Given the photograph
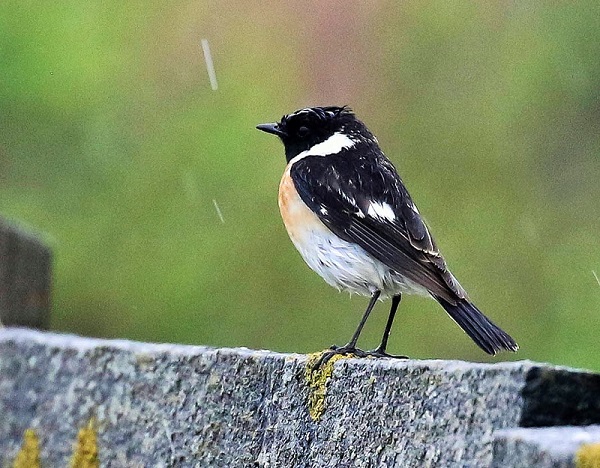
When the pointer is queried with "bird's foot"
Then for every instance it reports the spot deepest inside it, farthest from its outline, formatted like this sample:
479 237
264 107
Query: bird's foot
352 351
334 350
380 353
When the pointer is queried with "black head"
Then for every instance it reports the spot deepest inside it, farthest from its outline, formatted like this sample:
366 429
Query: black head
305 128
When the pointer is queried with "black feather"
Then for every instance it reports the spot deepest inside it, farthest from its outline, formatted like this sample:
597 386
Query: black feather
482 330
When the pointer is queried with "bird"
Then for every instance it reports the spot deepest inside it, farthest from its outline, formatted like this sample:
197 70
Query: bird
354 223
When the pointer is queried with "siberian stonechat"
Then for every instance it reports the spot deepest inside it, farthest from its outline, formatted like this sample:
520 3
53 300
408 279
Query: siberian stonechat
349 215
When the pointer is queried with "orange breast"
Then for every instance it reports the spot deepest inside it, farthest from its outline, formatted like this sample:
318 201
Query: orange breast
299 220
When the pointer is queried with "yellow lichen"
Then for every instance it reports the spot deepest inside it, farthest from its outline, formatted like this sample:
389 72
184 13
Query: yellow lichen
588 456
85 451
29 455
318 379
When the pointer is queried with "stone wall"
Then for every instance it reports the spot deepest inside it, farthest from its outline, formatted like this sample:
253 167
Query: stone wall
66 398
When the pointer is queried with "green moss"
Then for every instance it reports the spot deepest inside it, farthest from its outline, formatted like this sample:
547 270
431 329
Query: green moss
85 451
588 456
29 455
318 380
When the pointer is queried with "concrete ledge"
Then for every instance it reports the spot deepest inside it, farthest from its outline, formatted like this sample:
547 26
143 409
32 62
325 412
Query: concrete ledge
136 404
25 277
551 447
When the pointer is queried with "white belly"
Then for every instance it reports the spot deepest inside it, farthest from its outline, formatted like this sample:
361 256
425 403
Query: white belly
341 264
344 265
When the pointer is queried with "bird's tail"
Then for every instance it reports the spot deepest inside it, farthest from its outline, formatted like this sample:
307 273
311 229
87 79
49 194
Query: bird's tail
482 331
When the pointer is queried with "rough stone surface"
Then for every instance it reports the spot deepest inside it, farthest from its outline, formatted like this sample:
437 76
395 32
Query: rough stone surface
172 405
548 447
25 279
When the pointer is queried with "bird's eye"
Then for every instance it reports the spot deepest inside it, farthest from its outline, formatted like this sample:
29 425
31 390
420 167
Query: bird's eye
303 131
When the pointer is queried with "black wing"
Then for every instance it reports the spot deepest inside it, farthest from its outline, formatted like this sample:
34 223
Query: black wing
363 200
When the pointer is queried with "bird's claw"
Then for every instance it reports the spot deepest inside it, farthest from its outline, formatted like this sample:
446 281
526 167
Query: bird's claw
346 350
379 353
338 350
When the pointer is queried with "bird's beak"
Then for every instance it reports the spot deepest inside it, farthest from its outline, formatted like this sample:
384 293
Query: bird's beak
271 128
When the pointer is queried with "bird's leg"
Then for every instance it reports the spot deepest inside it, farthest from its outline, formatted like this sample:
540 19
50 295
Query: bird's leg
350 347
352 343
380 350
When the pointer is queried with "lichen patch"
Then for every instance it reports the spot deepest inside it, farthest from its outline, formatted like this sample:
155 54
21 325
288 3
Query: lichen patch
85 450
29 455
318 380
588 456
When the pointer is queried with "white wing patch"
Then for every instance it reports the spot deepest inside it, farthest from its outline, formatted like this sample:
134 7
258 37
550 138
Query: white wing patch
381 211
333 145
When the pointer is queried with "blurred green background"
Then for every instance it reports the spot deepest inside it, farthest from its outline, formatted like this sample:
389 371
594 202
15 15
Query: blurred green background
115 148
